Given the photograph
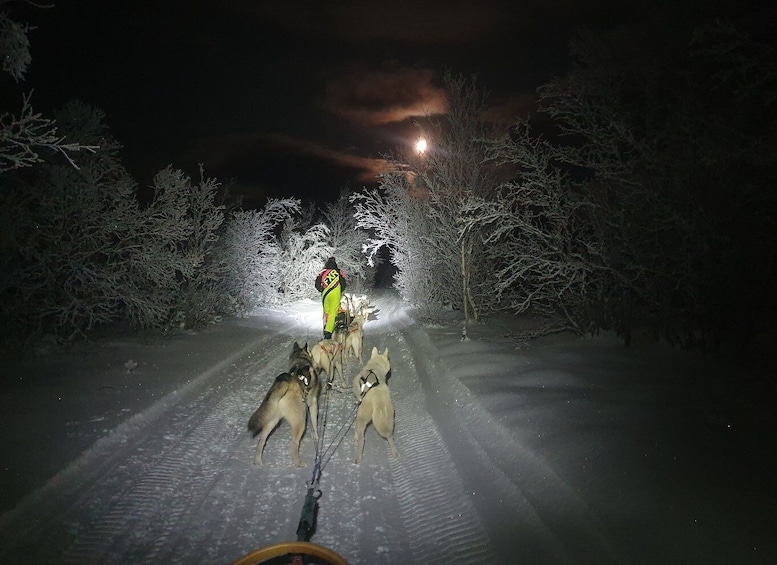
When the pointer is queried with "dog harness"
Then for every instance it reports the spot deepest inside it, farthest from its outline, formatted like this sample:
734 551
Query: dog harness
302 372
365 385
330 352
305 379
299 368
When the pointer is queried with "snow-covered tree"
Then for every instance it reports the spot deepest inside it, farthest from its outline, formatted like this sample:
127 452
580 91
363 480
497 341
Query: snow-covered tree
250 254
419 215
304 249
24 136
199 298
79 251
538 233
455 173
64 227
67 240
396 219
14 46
347 240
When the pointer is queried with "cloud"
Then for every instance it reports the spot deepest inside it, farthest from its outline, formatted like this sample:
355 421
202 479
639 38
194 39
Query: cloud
375 97
367 168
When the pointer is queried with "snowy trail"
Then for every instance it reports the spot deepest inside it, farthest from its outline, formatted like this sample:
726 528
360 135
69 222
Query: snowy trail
132 495
419 517
176 483
530 510
442 524
574 452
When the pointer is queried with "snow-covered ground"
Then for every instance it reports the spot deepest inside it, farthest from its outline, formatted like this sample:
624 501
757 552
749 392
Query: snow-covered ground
560 450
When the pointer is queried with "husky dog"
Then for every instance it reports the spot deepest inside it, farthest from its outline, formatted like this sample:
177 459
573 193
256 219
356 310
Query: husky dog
375 405
339 334
352 303
286 399
353 341
355 336
327 356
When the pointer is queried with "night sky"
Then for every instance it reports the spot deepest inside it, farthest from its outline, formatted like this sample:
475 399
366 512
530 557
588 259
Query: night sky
292 98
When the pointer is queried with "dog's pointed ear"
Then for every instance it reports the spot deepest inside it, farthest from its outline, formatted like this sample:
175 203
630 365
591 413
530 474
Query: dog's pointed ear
385 352
374 352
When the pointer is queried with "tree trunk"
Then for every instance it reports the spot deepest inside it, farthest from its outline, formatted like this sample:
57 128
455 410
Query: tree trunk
470 310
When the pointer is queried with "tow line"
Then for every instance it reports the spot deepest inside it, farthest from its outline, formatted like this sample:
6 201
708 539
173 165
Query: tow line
307 521
303 547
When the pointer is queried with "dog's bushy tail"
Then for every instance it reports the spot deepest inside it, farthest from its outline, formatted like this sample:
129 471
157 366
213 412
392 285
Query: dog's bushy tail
263 413
255 422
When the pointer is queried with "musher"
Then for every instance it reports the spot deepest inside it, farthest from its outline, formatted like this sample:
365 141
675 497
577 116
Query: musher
330 283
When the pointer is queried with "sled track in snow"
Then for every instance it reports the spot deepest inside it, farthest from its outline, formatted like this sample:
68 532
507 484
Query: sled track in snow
537 499
103 509
182 469
441 523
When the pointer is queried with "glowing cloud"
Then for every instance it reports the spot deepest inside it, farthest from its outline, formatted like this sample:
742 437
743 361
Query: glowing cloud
384 96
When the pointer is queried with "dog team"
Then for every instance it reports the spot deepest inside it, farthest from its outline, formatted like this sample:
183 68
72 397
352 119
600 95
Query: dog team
297 390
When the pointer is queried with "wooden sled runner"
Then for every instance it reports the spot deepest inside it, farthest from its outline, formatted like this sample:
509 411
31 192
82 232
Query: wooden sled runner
308 552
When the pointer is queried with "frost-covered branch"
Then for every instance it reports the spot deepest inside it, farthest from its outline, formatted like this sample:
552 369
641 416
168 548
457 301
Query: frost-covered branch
22 138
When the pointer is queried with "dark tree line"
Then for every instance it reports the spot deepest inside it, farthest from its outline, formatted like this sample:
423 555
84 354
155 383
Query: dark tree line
640 198
676 141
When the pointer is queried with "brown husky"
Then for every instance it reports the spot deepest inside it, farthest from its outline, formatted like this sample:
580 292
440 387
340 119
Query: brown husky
355 336
286 399
375 405
327 356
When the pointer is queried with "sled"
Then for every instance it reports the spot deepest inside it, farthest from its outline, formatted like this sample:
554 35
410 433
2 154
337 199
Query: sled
289 551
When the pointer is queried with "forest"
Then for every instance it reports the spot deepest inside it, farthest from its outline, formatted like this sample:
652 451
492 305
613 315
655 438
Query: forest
638 198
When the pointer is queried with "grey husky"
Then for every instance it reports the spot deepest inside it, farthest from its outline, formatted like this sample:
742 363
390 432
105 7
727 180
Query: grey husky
375 405
286 399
